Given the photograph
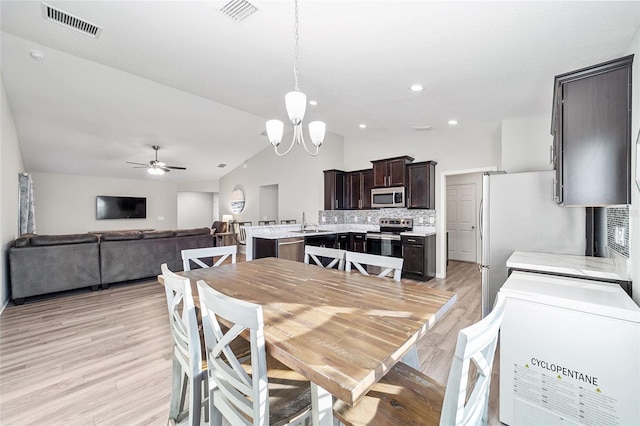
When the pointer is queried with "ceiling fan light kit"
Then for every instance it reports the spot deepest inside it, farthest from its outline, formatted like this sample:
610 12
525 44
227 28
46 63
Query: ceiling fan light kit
296 103
155 167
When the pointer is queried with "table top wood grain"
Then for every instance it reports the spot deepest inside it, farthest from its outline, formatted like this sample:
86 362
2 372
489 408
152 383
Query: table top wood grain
343 331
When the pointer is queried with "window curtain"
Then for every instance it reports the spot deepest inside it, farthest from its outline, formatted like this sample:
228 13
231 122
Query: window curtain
27 220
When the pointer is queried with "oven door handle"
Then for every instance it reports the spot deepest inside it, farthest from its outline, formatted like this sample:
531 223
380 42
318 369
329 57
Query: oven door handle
383 237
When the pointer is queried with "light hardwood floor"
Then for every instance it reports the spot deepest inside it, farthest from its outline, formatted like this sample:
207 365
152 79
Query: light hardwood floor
98 358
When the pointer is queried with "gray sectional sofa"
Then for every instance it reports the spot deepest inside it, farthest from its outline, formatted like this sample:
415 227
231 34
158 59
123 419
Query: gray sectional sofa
43 264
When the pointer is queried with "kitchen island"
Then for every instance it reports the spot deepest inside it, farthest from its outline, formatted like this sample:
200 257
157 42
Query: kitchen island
416 246
296 235
585 267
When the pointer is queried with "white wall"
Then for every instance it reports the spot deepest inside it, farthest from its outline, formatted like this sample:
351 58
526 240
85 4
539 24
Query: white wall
454 148
298 175
269 202
11 166
201 186
66 204
634 210
205 186
526 144
195 209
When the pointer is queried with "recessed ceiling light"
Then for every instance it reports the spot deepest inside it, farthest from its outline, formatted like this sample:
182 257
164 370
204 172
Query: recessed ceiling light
37 55
363 126
416 87
314 103
453 122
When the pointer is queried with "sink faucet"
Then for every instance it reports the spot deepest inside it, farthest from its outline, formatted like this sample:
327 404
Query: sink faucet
304 222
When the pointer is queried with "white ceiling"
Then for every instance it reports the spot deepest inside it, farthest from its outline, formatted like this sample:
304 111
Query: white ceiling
186 77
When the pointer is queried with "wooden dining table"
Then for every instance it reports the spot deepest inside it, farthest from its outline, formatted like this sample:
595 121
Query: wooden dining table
342 331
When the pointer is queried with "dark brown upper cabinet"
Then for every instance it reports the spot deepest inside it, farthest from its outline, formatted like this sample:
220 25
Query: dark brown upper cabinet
591 128
390 172
421 185
334 189
359 184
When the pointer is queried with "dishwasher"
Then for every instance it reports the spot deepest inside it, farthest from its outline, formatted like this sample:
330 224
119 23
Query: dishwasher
569 352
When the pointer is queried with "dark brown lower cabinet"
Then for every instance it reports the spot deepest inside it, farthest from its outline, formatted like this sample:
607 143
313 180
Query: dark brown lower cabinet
342 241
358 242
419 254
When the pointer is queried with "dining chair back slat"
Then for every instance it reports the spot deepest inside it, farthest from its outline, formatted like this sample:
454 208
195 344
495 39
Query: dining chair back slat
477 344
186 352
314 253
389 265
195 255
241 392
237 396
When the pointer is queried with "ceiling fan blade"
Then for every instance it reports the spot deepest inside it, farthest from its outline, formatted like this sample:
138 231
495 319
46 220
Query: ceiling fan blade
139 164
140 167
164 169
176 167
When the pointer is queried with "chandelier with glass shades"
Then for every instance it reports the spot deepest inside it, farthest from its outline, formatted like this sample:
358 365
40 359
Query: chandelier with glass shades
296 103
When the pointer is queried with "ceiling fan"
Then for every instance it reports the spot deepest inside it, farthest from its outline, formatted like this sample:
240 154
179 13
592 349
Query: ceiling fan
156 167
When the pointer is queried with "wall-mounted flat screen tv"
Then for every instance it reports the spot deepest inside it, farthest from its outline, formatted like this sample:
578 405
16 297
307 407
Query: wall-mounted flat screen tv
108 207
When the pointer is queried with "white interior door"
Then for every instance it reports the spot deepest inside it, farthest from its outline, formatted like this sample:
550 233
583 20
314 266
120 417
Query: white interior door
461 222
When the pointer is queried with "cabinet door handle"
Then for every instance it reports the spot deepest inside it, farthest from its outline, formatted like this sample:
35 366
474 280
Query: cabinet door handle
551 159
555 193
411 240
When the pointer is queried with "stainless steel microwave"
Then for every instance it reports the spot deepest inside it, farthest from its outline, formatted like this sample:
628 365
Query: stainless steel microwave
387 197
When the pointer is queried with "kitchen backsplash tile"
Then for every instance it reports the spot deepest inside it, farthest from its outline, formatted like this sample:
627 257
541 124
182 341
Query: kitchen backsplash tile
372 217
618 221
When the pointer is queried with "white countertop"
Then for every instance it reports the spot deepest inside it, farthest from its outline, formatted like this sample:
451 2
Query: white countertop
566 264
420 231
276 232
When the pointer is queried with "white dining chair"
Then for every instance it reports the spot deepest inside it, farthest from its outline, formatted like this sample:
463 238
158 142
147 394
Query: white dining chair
387 264
406 396
187 369
195 256
245 393
337 256
240 233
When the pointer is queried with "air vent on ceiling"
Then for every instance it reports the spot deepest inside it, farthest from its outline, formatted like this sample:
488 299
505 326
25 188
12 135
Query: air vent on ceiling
70 21
421 128
238 10
222 165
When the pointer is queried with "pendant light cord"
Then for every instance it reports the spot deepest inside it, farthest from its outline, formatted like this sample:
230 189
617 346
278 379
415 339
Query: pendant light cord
295 59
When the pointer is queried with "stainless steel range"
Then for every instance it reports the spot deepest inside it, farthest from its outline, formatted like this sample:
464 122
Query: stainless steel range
387 242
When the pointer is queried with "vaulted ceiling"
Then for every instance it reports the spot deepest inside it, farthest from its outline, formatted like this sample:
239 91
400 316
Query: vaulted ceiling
186 77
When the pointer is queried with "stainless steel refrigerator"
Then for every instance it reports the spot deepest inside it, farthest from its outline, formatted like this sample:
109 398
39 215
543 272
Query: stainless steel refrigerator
518 213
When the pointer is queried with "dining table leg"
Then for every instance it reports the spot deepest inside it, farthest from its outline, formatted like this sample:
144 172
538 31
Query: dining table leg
322 406
411 358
